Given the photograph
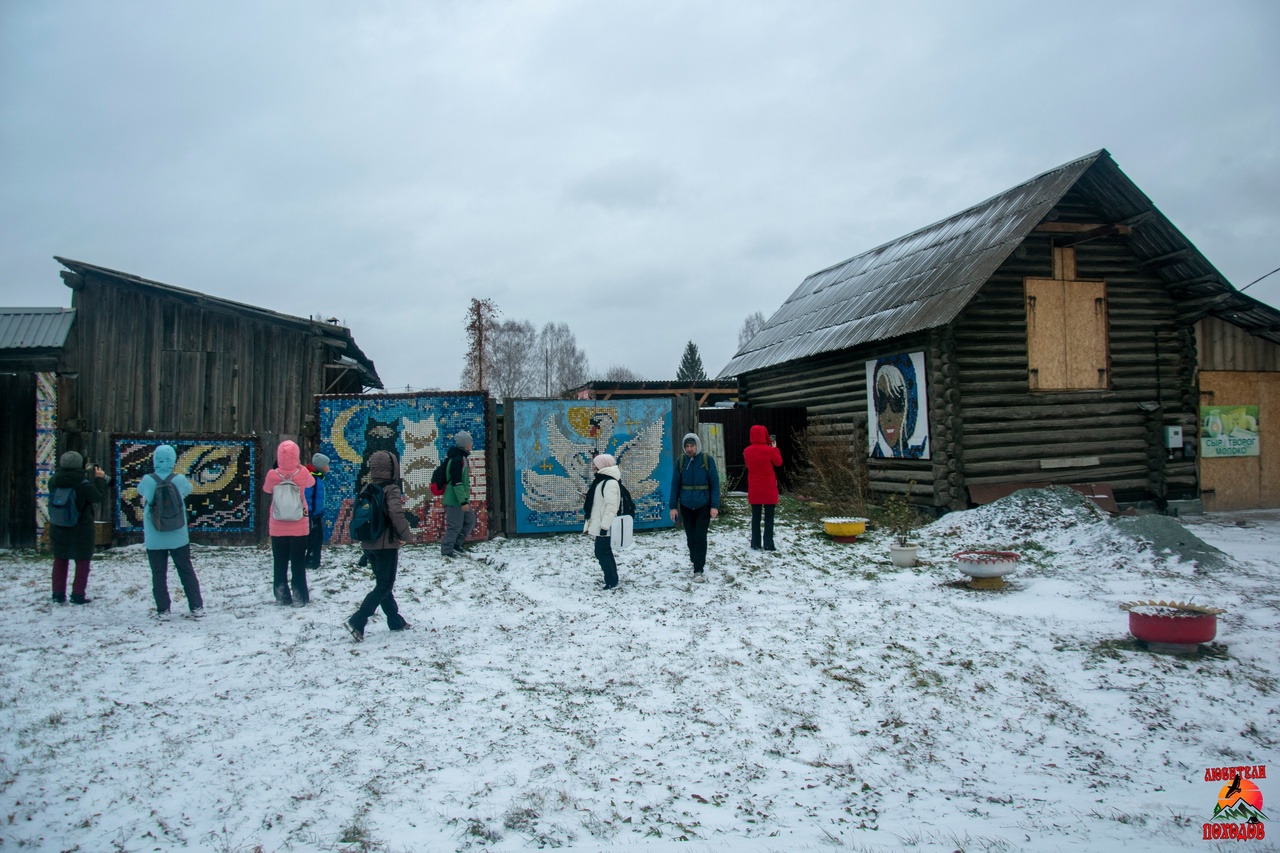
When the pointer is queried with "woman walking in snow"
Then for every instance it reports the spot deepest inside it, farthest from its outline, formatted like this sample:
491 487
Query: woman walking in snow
384 552
289 525
74 542
175 542
763 458
601 507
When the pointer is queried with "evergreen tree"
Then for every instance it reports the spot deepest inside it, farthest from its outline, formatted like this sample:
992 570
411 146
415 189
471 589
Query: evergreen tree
691 365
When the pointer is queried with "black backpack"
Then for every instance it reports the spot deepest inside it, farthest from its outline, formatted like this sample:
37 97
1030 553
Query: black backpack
440 478
369 517
63 510
626 506
167 511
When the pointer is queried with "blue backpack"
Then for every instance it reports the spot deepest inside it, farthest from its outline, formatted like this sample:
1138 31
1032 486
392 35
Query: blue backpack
369 516
63 511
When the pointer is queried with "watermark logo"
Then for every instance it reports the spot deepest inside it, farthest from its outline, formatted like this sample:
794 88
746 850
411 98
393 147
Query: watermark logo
1238 814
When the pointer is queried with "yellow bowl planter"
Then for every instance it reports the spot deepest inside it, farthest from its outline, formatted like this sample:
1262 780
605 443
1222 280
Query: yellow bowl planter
844 528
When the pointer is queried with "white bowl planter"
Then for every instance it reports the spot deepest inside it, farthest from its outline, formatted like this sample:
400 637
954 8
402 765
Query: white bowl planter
903 556
986 569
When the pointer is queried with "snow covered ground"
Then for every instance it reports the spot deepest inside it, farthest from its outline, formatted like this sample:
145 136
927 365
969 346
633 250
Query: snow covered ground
814 699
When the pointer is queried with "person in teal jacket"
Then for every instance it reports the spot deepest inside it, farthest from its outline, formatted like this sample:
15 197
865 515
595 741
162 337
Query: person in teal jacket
459 518
163 544
695 499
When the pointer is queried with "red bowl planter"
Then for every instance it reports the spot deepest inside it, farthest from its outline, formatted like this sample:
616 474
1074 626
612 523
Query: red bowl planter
1185 628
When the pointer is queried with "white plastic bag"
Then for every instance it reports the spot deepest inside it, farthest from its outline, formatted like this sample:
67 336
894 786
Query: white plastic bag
622 532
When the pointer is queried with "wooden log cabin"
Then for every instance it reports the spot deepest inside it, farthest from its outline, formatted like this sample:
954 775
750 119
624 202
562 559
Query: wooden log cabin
139 356
1056 326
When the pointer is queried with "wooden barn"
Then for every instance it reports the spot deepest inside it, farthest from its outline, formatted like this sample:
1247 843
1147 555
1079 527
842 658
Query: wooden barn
1051 334
141 358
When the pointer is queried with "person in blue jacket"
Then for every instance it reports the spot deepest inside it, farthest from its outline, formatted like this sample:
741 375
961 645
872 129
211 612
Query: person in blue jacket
695 498
314 499
163 544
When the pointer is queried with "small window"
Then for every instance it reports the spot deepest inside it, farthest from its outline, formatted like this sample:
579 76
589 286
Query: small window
1066 330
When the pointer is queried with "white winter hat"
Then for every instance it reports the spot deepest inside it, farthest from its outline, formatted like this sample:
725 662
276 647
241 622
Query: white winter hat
604 460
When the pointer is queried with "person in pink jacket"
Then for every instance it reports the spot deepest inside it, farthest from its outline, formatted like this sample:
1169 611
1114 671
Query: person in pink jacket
289 525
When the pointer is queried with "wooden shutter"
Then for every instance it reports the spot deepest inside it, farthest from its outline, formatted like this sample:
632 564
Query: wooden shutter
1086 334
1046 330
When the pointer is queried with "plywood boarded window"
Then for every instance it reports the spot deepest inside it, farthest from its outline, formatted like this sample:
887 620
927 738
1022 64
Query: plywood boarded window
1066 330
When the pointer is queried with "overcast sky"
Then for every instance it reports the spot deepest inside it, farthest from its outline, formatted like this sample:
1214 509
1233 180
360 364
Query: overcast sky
649 173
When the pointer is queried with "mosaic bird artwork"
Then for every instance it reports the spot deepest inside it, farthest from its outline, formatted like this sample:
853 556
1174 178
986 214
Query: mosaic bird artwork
637 458
560 492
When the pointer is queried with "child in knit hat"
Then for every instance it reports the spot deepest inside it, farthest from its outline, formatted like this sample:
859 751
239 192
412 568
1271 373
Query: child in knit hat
315 509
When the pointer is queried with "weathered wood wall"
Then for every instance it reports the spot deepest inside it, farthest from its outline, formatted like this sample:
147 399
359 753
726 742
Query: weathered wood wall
833 387
140 360
987 426
17 460
1011 434
1244 482
1223 346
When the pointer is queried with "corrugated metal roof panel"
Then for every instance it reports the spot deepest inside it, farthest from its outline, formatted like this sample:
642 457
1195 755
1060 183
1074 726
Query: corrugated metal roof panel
35 328
919 281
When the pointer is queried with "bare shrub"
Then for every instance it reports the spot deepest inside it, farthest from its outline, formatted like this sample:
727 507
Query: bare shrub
833 466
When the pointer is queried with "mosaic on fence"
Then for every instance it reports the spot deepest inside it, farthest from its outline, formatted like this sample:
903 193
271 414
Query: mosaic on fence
555 441
223 474
46 443
419 429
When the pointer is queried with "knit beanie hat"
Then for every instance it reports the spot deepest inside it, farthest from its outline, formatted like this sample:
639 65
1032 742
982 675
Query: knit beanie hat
463 439
320 461
604 460
71 460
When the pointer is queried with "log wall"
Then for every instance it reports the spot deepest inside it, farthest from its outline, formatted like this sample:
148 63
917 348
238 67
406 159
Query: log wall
1114 436
833 387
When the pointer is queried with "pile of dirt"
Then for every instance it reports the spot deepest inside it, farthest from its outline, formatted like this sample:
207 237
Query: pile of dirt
1063 521
1167 537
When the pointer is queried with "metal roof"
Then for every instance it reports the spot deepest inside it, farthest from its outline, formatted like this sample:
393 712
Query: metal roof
925 279
35 328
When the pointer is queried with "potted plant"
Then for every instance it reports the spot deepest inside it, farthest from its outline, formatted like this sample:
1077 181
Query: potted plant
901 519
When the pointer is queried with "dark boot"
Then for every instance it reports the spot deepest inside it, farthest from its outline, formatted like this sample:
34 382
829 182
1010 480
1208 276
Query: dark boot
301 597
357 632
282 594
79 598
60 598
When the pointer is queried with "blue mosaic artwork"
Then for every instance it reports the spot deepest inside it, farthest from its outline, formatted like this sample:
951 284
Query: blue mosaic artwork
419 429
555 441
223 474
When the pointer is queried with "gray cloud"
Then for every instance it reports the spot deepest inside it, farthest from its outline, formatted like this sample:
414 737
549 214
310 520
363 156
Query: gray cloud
646 172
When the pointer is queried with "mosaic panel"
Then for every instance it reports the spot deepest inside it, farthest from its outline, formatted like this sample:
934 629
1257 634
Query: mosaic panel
46 444
419 428
223 474
898 407
555 441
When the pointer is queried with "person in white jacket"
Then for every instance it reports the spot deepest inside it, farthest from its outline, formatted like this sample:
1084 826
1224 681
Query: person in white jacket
603 499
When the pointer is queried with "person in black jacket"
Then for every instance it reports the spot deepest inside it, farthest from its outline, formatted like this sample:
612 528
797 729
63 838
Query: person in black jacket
75 543
384 552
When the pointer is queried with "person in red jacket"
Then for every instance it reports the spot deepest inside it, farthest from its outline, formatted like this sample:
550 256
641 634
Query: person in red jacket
762 458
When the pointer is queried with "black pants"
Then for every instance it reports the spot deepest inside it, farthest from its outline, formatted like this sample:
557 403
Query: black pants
383 562
696 522
159 561
289 551
604 553
315 540
768 525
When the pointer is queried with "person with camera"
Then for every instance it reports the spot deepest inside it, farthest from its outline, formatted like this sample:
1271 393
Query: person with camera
763 459
76 488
